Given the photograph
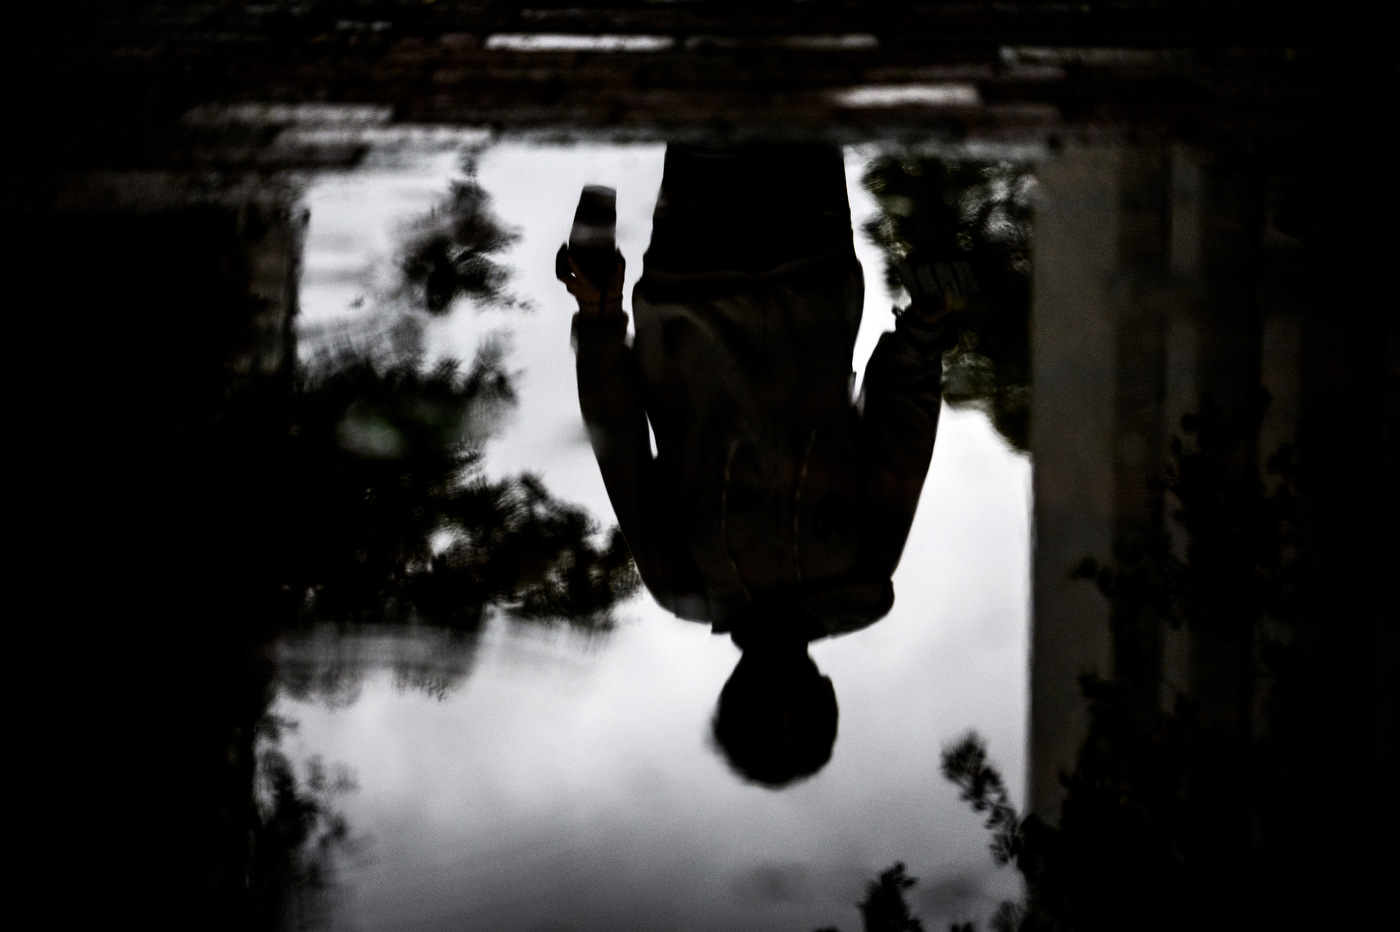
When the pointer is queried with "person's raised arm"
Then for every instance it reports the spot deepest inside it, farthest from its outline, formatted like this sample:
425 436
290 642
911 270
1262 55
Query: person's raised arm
900 403
611 401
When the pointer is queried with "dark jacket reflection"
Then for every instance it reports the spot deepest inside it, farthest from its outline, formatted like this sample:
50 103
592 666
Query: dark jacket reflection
775 507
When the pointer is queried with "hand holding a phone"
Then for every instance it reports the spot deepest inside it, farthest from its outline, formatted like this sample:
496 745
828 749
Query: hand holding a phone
590 265
597 296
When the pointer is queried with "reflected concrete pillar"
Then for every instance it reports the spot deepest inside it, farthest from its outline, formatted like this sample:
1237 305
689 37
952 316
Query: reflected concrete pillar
1183 379
1145 278
1074 336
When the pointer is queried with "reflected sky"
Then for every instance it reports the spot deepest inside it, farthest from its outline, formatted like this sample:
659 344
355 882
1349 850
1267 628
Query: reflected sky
550 774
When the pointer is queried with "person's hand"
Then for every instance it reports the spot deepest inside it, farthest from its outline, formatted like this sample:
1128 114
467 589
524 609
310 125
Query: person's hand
595 299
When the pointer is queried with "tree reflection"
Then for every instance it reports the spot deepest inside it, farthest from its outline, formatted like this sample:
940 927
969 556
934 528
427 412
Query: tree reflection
296 836
382 465
981 785
328 663
980 214
1186 807
884 908
1170 807
359 487
449 252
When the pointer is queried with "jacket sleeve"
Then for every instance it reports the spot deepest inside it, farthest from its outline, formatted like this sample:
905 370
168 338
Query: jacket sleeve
611 400
900 402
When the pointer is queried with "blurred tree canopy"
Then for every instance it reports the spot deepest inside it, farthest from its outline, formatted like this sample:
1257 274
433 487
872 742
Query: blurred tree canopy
449 252
296 835
1183 810
978 213
386 515
350 489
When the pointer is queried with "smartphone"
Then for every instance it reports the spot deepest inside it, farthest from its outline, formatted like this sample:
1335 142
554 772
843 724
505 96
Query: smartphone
593 239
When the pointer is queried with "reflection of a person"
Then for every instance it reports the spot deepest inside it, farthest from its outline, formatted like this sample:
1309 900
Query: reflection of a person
775 508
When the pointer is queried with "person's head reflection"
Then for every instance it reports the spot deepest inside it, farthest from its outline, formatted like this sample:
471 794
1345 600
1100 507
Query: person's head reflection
776 718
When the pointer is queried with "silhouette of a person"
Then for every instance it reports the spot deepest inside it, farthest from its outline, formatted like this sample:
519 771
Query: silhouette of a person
776 507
